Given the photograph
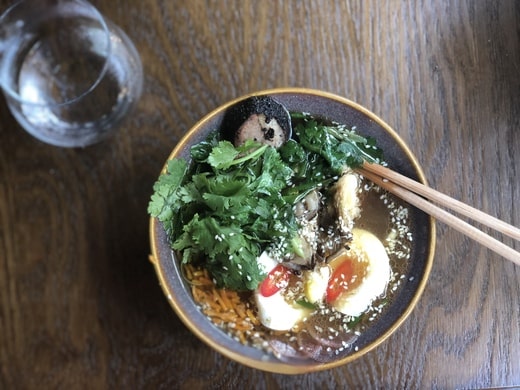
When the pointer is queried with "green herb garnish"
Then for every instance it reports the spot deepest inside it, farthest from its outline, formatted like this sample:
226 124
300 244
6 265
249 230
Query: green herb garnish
232 203
306 304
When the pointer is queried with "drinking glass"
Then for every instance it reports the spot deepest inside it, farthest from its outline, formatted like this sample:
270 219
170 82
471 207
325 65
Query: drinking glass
68 74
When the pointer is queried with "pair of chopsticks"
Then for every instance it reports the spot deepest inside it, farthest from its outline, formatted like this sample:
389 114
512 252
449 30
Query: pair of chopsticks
419 195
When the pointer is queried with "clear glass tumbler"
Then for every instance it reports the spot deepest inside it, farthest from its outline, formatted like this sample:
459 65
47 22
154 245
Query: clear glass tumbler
68 74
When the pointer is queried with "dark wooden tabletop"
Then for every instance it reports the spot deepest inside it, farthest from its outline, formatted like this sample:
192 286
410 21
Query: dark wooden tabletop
80 304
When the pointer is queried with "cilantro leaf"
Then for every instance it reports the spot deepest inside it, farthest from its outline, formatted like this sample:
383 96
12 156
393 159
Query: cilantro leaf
223 155
167 194
200 151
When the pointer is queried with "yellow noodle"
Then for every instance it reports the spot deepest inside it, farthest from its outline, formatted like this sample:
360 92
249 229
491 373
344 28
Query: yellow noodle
224 299
224 307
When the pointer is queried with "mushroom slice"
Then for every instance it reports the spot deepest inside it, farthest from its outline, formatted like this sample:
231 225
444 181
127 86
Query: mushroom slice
309 206
259 118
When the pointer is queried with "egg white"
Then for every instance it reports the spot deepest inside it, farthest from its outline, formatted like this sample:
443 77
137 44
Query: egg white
274 311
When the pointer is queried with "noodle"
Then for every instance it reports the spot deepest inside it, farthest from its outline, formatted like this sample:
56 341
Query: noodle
224 307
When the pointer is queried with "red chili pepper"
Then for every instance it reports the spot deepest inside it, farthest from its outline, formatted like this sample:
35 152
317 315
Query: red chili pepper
276 279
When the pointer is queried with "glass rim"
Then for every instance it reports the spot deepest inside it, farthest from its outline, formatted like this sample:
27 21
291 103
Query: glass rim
92 12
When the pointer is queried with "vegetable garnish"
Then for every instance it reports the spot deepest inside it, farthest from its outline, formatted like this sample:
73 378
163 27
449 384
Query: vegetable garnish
276 280
231 203
320 152
306 304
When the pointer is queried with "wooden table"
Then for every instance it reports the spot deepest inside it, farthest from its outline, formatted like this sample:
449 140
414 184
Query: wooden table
80 305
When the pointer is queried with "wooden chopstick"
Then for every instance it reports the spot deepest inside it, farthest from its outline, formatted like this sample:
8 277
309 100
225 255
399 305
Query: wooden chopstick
439 197
407 189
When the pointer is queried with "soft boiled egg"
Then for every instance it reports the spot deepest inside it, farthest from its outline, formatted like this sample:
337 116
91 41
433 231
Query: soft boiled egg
359 275
274 311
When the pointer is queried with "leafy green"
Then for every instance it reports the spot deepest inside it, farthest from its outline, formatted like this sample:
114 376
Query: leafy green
229 204
200 151
227 155
306 304
338 145
227 210
168 193
320 152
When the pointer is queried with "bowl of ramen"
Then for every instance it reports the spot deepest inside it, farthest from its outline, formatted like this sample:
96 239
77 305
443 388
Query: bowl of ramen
271 246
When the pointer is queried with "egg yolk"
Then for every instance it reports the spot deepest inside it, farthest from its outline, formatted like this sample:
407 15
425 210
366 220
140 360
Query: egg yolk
348 273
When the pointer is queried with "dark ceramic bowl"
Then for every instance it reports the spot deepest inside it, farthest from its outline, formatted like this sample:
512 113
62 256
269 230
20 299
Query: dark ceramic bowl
398 157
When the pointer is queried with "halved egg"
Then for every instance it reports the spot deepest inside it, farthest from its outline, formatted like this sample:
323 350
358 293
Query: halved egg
359 275
274 311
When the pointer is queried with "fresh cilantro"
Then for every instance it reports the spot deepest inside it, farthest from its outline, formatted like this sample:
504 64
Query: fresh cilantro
226 155
229 204
223 156
225 210
168 194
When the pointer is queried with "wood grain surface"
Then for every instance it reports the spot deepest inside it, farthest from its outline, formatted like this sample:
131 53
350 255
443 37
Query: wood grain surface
80 306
